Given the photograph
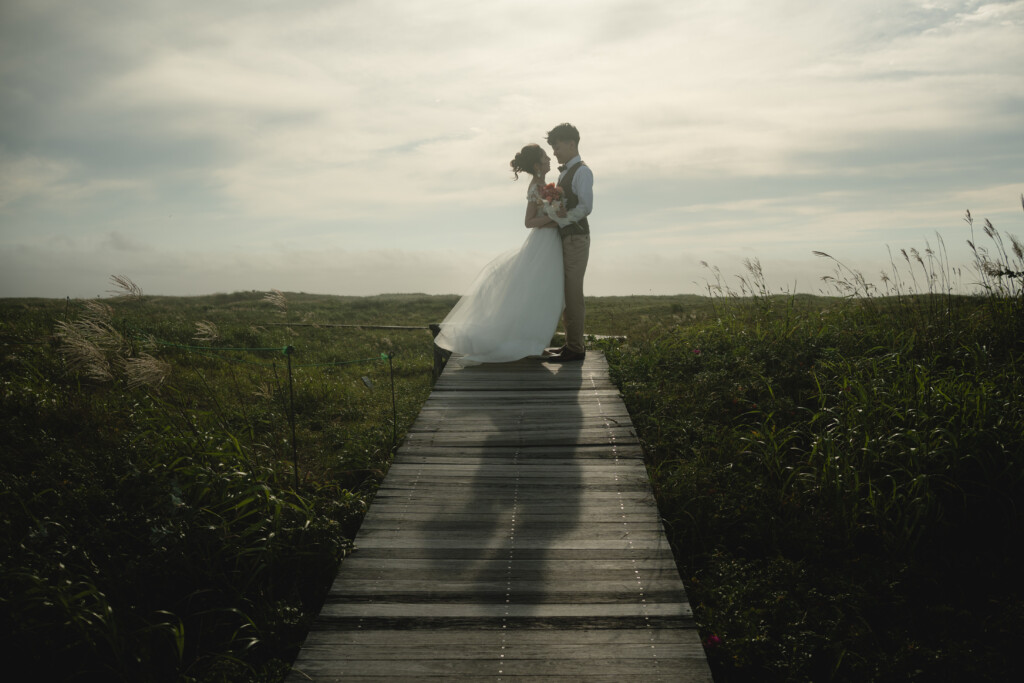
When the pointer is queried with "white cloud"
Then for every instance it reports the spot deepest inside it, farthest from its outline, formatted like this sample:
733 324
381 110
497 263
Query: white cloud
52 181
719 126
27 176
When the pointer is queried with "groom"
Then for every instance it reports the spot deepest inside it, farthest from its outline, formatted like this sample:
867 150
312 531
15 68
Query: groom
577 183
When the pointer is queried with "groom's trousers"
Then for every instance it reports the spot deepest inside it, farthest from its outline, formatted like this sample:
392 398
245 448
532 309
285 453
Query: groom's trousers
575 254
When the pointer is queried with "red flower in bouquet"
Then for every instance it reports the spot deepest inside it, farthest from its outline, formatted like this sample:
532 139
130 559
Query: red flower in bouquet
550 193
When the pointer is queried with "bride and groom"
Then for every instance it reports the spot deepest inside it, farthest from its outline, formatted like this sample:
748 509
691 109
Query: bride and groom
512 309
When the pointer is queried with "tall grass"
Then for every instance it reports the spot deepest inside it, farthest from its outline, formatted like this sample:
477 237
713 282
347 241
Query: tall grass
844 485
151 526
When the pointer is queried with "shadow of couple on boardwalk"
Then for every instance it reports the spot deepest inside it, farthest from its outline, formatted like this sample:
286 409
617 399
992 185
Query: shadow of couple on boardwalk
520 493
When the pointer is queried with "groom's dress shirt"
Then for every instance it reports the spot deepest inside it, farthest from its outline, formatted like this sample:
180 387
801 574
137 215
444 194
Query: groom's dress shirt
582 187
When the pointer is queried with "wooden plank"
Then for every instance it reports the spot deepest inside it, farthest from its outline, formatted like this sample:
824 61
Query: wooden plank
536 650
532 438
358 567
451 413
518 422
558 496
520 554
527 641
629 449
595 364
561 500
497 612
554 670
577 396
476 524
425 502
515 536
557 480
508 468
511 474
556 381
550 543
434 591
447 516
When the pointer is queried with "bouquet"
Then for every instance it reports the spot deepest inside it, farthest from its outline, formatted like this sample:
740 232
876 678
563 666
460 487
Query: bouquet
550 196
550 193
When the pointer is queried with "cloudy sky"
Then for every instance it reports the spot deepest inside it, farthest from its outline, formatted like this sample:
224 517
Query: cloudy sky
361 147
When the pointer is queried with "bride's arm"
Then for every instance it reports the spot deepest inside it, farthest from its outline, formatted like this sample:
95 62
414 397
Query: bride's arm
535 218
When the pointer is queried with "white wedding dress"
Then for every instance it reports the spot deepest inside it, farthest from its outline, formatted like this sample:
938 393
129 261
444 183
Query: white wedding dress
512 308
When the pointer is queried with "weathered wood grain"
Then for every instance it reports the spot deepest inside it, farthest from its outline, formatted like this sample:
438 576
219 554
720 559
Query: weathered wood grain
515 537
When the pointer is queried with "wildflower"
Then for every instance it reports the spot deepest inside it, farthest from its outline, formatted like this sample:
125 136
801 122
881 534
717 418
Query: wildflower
712 641
696 352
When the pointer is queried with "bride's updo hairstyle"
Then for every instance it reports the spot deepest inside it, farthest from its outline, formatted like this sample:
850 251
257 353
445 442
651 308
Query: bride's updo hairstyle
526 159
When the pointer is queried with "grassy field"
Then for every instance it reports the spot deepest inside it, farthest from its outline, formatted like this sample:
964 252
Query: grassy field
152 526
844 488
841 478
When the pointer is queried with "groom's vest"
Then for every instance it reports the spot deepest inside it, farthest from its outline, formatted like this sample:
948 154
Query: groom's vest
580 227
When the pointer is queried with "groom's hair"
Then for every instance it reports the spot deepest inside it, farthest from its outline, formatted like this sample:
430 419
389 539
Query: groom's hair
564 131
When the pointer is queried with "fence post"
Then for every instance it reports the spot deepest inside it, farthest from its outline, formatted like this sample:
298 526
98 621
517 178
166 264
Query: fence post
394 404
288 350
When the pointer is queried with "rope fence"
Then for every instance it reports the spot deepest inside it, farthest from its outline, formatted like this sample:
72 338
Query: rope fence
356 327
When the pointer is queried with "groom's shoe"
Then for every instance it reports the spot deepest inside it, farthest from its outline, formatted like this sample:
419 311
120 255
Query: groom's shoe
567 356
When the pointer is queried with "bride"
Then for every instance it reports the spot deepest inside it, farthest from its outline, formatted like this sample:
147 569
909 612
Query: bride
512 308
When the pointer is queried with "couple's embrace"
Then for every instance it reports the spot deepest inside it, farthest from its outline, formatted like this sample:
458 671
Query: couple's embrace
512 309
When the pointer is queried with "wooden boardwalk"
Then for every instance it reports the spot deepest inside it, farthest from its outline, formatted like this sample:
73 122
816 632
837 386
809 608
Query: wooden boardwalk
515 538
